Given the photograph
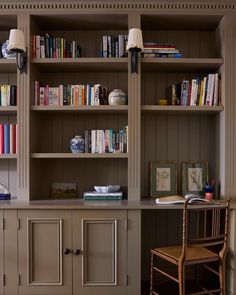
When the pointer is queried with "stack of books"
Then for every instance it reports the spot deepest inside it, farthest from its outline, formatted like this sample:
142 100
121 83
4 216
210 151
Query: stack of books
93 195
8 138
157 49
114 46
8 95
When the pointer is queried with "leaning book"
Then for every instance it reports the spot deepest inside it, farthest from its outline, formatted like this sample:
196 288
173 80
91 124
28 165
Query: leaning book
102 196
179 200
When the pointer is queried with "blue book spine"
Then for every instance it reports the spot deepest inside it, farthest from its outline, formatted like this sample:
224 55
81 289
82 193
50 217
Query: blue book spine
6 139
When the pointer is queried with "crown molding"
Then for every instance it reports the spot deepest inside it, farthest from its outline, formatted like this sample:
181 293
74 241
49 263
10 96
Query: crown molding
121 5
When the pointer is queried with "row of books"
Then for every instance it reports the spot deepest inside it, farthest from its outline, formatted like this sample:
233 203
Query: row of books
8 95
156 49
196 92
47 46
8 138
74 95
106 141
114 45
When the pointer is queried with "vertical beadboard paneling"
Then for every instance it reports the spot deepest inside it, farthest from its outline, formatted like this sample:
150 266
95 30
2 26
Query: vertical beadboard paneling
178 138
230 106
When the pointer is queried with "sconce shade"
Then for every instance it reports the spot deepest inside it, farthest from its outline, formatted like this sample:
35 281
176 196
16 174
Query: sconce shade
135 40
135 45
17 41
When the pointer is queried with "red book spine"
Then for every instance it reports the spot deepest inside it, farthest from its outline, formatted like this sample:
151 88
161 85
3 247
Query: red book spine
1 138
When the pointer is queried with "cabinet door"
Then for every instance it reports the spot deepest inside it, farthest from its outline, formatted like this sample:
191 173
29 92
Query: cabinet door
100 268
43 237
1 254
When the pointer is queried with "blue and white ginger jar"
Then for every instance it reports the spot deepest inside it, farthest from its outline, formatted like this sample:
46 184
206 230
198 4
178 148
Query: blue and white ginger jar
77 144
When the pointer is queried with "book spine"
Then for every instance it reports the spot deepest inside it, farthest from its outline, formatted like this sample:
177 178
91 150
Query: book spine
1 138
6 138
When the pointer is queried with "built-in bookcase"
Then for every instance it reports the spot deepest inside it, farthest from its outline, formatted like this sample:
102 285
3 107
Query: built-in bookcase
179 133
52 127
8 114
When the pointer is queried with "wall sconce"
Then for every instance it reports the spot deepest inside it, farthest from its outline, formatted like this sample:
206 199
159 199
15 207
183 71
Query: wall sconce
135 45
17 44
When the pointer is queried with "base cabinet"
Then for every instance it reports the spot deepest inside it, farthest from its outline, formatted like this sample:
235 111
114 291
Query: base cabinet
72 252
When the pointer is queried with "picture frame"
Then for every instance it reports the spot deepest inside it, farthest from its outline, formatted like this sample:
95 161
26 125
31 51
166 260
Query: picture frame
194 177
163 178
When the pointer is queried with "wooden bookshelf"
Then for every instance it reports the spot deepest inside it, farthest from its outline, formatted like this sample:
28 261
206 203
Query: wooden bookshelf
83 109
190 65
8 110
85 64
78 156
8 156
182 109
7 65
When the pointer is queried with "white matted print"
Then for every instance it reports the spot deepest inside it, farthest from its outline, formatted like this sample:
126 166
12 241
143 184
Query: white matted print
163 179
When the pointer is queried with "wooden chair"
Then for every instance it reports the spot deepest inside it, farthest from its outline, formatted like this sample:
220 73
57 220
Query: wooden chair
204 240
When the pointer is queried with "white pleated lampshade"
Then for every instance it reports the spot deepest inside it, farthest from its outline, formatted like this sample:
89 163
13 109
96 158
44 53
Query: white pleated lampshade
16 41
135 39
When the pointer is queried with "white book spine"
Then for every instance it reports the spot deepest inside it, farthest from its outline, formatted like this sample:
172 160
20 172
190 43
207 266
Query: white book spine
212 82
193 92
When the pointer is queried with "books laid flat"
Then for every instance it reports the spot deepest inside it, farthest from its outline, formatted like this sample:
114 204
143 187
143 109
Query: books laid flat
102 196
180 200
5 196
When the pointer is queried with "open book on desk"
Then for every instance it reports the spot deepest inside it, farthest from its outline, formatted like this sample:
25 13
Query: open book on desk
180 200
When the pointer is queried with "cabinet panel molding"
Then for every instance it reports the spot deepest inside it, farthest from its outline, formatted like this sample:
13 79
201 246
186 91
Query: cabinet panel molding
99 248
44 256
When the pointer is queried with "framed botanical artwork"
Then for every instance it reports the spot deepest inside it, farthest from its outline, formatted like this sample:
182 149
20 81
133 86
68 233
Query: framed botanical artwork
194 177
163 180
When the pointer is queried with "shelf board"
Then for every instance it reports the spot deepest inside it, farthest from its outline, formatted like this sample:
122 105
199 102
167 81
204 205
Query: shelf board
84 109
8 110
85 64
78 156
8 156
191 65
181 109
7 65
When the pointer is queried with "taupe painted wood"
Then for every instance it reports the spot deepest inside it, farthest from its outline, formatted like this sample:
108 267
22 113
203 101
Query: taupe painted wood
2 270
101 249
10 252
43 267
134 122
23 120
134 252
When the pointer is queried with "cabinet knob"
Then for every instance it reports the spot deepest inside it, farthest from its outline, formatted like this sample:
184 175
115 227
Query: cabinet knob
66 251
77 252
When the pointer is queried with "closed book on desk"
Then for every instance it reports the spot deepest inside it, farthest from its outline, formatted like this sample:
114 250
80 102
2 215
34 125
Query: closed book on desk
102 196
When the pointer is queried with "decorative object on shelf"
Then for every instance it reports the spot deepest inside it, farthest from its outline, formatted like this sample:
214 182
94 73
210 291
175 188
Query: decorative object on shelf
6 53
107 188
135 45
63 190
4 193
163 179
77 144
117 97
209 189
17 44
162 102
194 175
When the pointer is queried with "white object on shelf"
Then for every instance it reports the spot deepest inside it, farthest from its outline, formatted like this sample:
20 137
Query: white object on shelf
107 188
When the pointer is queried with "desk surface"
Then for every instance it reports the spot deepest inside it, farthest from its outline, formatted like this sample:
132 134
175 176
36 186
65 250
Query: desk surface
91 205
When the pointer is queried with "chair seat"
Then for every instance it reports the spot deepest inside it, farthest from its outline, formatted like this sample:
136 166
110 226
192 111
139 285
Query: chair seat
192 253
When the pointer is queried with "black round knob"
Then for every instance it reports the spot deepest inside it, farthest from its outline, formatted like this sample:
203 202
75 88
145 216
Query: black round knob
77 252
66 251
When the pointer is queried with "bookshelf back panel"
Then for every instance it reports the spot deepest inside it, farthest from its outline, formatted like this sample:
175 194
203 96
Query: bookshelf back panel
84 172
8 168
9 79
177 138
199 44
52 133
154 85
